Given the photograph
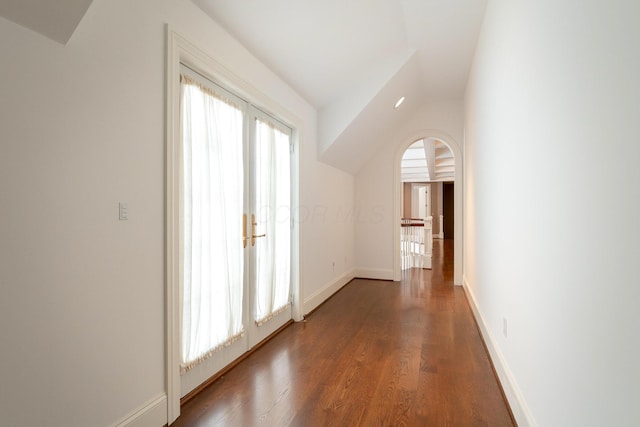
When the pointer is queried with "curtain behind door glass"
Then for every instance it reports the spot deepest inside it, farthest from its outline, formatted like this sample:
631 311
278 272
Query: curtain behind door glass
273 204
212 210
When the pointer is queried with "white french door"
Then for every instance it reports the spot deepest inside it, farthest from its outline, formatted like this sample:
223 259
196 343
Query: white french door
235 227
270 206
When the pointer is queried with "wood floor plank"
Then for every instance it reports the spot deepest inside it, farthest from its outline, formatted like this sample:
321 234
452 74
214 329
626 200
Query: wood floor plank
376 354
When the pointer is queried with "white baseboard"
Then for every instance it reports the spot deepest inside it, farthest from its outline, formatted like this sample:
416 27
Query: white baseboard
325 292
151 414
519 406
368 273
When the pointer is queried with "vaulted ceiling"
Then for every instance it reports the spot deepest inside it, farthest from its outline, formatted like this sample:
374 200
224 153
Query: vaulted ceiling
353 59
326 48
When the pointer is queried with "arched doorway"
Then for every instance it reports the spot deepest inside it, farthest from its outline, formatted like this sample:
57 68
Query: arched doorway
446 141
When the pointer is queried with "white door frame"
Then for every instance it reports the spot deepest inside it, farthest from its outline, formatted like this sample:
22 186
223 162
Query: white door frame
416 204
181 50
458 199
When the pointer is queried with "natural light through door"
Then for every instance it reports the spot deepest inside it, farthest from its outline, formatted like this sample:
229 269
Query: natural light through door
212 283
235 234
273 207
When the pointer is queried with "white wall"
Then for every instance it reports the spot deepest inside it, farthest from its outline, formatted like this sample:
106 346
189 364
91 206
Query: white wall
551 123
374 187
327 218
82 305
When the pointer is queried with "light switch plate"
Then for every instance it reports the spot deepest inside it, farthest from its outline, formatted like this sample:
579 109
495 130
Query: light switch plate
123 211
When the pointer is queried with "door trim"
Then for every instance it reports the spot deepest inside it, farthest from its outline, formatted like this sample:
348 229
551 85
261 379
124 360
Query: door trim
182 51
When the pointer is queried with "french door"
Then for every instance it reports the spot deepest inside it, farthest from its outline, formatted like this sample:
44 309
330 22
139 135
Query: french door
235 227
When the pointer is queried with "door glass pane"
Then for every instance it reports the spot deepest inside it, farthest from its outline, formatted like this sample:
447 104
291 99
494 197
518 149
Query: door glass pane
212 208
273 207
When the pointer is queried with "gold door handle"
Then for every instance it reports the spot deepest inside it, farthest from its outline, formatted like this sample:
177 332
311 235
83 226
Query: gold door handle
254 236
244 231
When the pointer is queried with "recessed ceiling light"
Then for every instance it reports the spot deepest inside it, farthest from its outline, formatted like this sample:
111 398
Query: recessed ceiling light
400 101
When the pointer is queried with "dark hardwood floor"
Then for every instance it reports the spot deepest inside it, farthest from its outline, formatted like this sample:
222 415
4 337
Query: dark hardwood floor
375 354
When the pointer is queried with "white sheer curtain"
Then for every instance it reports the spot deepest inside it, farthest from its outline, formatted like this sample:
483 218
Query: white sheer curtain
212 208
273 202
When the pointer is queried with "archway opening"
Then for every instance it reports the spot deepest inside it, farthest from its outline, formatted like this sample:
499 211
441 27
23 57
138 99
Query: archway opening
428 169
427 175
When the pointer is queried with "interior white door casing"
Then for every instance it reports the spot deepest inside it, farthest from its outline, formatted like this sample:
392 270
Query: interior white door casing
182 51
420 200
417 202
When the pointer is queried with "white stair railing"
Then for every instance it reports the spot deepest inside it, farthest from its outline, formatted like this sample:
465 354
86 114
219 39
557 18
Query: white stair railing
416 241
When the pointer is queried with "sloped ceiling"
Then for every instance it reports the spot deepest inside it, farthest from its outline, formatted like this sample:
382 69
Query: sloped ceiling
320 47
352 59
56 19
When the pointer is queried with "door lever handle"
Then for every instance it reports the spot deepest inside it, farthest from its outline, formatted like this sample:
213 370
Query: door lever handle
254 236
